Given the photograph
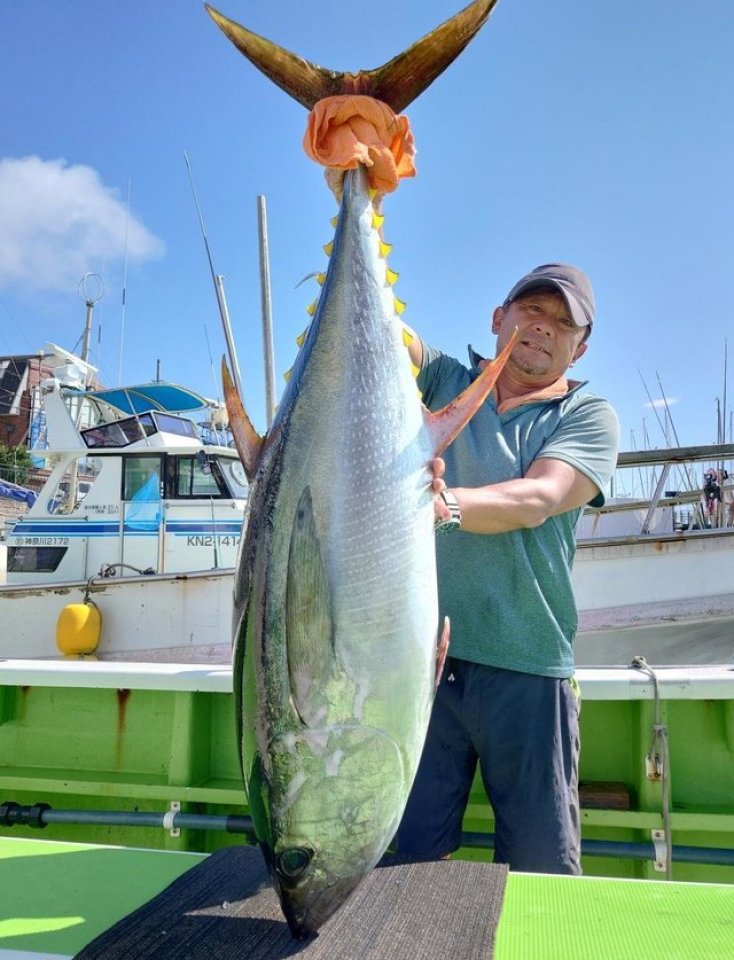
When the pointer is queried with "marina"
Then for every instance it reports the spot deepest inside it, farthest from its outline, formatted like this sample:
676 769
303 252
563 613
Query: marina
186 604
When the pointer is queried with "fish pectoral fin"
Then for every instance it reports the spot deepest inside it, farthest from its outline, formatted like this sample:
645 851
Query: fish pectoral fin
442 649
247 440
309 624
445 424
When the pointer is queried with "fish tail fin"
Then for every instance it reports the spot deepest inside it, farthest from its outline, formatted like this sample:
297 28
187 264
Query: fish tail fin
445 424
246 439
396 83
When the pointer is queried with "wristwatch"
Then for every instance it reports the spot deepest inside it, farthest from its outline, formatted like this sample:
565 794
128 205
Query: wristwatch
454 521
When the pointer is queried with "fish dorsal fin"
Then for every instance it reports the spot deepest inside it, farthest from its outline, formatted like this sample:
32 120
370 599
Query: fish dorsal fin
396 83
309 624
247 440
445 424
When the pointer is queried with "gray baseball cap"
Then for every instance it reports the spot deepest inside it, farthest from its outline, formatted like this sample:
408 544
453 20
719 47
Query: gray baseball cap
571 282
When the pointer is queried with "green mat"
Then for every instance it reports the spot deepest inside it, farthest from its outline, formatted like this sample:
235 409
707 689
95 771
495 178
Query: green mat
226 908
590 918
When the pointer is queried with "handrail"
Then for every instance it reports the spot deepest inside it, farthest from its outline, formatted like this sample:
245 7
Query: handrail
642 458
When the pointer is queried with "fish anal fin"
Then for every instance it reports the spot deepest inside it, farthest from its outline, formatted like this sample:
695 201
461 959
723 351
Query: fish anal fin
309 624
396 83
246 439
445 424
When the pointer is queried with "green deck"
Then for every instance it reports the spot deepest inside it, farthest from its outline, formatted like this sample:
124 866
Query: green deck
58 897
141 740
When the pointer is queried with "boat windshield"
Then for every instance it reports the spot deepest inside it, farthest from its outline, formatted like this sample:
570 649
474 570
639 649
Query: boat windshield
121 433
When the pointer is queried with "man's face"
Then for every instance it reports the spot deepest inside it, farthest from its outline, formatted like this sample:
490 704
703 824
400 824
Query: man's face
548 341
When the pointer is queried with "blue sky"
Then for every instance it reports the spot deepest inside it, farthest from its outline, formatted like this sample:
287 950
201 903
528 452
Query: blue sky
597 134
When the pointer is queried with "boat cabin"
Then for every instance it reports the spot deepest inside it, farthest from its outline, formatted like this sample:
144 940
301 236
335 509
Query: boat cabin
136 485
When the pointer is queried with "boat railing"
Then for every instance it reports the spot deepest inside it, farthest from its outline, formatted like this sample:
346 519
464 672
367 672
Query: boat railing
689 509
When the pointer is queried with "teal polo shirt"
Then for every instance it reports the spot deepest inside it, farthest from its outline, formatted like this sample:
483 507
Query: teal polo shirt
509 595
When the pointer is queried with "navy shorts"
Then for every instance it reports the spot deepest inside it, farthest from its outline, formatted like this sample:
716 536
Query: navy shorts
523 731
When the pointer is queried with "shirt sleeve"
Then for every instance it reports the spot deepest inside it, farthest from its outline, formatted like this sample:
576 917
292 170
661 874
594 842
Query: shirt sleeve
587 438
437 370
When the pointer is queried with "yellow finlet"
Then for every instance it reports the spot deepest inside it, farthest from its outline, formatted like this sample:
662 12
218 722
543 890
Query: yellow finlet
311 308
287 375
399 306
392 276
371 192
334 221
408 336
377 220
415 371
320 279
329 248
385 248
302 336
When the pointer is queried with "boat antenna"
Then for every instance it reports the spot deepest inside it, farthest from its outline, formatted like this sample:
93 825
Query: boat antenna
124 288
218 282
91 290
211 363
685 469
723 404
669 418
652 404
267 309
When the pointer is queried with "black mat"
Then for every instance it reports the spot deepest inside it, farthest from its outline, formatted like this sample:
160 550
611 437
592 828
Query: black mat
225 908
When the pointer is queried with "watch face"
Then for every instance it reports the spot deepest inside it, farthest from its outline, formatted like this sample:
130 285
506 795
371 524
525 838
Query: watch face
238 472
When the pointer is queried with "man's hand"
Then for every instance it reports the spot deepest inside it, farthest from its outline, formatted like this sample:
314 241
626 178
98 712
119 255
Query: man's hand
438 485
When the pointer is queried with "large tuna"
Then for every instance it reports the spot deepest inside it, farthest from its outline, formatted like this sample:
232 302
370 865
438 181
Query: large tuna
336 618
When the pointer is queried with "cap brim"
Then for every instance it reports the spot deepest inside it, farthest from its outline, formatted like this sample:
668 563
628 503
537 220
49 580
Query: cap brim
578 314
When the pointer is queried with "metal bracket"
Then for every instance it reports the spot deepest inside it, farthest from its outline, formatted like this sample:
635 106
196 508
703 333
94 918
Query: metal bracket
174 808
654 766
661 850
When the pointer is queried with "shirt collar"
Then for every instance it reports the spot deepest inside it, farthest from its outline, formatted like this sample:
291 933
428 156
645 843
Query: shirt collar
561 388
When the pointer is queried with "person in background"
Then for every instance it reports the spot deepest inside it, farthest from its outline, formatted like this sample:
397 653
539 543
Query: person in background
516 481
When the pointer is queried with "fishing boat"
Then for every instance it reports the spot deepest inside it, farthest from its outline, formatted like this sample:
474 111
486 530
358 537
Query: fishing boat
652 572
116 778
141 515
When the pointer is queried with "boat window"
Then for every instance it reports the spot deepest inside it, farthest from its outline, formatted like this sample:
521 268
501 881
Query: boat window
141 478
190 477
78 479
234 475
34 559
121 433
177 425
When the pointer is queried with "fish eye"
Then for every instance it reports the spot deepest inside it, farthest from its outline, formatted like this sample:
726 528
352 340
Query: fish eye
292 863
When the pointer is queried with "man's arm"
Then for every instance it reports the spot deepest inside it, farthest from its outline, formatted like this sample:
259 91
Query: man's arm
548 488
415 347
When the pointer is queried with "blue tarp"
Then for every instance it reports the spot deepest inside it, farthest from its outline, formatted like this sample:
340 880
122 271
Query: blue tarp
11 491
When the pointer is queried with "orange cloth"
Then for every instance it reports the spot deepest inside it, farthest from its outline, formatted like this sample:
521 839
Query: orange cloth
348 130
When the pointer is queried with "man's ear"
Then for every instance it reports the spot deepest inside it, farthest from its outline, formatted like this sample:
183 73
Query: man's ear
579 353
497 318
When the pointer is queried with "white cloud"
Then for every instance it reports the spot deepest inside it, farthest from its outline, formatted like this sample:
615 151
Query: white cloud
57 220
660 403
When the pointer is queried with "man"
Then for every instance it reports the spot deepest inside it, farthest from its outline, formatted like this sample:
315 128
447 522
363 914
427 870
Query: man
518 477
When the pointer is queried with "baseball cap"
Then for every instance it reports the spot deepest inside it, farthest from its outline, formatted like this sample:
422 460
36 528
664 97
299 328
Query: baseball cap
571 282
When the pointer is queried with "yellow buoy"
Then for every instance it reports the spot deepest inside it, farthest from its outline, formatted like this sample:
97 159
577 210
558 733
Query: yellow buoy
78 629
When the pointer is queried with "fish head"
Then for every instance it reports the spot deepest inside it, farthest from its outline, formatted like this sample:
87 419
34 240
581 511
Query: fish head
330 818
309 892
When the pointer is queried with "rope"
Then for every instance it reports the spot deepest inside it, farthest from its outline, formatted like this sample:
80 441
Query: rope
108 570
660 758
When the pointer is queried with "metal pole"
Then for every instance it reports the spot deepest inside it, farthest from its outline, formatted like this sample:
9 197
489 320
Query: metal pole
267 310
218 288
87 330
227 327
